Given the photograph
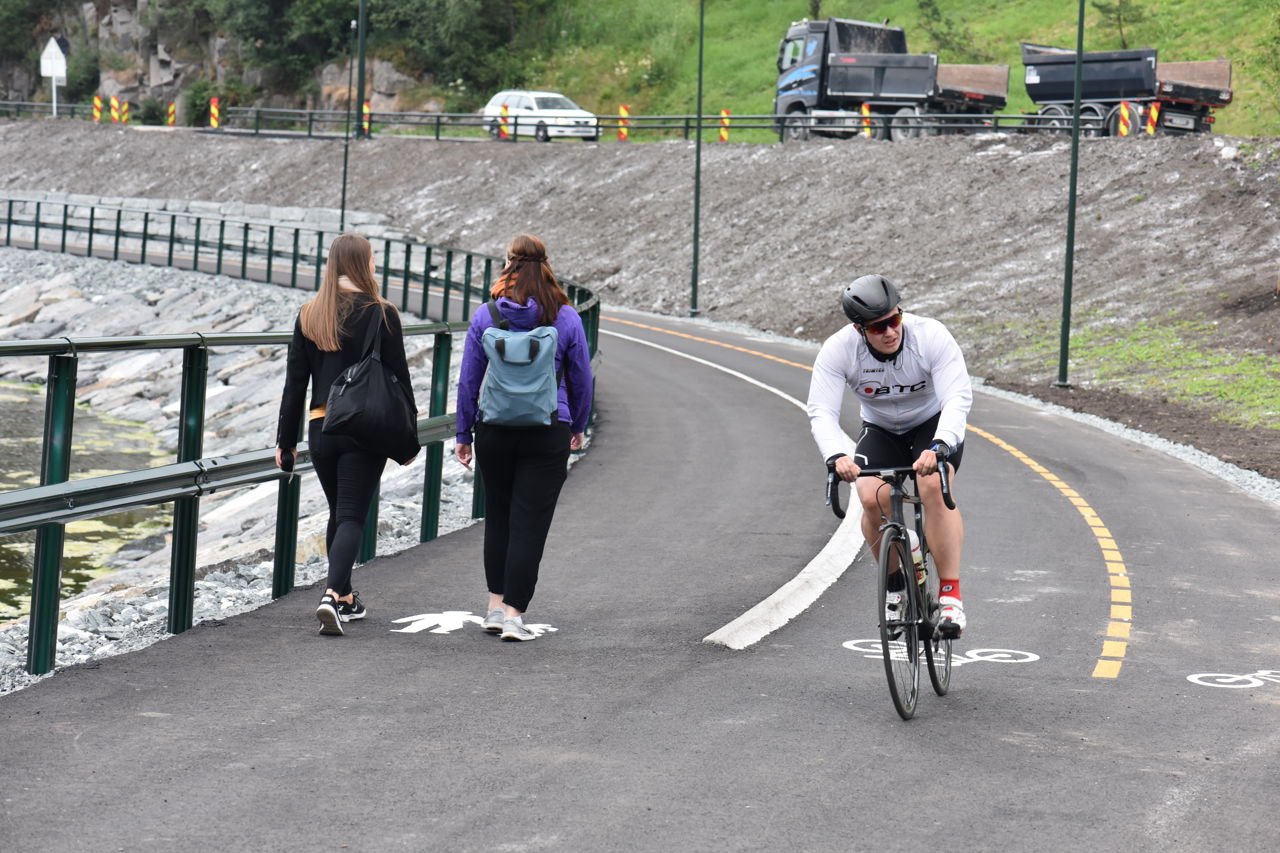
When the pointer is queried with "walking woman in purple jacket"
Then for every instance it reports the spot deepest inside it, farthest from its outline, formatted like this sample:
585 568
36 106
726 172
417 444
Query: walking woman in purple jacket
523 468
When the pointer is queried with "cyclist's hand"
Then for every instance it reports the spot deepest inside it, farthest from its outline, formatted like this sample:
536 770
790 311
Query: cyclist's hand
847 469
926 464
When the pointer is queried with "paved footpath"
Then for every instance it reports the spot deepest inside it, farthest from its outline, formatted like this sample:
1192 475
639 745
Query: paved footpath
622 730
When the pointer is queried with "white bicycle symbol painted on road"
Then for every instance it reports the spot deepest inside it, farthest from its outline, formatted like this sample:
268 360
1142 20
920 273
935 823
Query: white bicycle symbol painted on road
898 650
1232 681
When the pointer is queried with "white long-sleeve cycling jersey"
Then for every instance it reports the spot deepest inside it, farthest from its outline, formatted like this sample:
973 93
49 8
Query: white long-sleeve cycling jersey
926 377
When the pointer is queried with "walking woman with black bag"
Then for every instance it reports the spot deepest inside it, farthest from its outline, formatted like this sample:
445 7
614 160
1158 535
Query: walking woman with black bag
522 460
346 322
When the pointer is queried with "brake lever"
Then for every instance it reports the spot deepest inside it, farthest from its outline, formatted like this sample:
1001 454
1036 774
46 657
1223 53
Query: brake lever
833 492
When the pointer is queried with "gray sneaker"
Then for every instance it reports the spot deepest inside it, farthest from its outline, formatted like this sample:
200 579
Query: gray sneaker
515 629
493 622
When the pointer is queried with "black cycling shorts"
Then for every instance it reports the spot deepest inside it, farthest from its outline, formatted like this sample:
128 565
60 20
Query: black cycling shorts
879 448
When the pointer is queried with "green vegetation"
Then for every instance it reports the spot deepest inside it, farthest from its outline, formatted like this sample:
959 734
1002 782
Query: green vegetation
1176 360
591 41
1122 13
603 53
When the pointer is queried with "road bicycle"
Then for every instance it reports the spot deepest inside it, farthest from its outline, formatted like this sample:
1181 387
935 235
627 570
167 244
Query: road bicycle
916 629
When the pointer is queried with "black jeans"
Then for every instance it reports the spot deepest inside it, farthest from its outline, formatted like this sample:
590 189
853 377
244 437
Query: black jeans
523 469
349 476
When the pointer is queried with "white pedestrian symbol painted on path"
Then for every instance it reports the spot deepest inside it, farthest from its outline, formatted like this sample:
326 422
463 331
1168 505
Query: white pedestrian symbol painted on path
450 621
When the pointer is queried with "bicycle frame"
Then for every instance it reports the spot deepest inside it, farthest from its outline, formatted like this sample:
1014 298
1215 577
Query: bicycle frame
896 479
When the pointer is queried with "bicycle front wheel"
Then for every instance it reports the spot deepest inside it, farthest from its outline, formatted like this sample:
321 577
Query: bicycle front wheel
899 637
937 648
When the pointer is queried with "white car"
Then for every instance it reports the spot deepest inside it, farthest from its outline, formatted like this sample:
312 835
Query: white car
542 115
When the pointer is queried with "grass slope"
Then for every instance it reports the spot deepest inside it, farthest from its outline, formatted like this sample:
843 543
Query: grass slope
605 52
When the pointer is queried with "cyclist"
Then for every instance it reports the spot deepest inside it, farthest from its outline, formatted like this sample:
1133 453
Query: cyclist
910 379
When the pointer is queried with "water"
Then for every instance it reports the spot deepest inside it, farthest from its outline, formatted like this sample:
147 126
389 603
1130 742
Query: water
101 446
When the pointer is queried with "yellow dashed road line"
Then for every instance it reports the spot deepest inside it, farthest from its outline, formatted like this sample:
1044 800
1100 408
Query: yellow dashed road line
711 342
1120 623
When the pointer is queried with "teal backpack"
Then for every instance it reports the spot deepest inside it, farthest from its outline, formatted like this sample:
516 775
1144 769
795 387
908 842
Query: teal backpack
521 385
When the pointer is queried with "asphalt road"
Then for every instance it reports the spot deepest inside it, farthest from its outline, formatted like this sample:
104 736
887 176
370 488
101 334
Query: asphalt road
1098 576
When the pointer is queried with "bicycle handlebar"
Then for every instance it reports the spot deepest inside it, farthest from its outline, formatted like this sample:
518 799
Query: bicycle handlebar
833 481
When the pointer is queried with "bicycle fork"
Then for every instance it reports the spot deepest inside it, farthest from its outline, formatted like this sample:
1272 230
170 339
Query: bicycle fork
925 609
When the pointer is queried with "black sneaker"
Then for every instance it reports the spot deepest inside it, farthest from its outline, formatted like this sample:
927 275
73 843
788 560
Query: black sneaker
354 610
327 613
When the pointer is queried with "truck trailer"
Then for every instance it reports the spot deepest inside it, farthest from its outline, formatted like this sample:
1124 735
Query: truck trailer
841 77
1125 92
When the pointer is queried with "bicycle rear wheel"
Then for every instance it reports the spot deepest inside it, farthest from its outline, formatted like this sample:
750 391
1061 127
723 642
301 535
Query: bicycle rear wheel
937 648
900 639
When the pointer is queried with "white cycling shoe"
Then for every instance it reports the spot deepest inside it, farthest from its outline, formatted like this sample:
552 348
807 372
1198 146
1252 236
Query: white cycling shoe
951 621
893 612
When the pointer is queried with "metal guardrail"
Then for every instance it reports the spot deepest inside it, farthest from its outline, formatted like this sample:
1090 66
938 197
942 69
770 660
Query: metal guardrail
443 125
35 109
329 123
49 506
292 256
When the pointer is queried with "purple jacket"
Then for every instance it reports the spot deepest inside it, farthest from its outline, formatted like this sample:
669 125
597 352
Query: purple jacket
573 363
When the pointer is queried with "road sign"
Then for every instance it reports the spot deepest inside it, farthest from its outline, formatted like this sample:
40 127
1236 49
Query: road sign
53 63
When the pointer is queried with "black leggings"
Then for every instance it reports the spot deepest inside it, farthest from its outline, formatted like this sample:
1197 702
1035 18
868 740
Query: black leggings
349 476
523 469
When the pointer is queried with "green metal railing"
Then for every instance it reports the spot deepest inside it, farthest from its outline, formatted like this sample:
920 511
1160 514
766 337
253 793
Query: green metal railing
47 508
330 123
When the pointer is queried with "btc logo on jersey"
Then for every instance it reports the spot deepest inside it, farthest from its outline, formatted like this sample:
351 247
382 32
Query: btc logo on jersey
870 389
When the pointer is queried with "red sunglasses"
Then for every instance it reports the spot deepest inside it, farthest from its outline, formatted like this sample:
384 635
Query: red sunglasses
881 326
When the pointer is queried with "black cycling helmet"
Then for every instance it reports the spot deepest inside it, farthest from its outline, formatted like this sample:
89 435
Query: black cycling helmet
868 298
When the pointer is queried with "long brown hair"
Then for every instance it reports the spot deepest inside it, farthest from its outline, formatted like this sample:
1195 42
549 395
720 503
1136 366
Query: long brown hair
324 317
527 274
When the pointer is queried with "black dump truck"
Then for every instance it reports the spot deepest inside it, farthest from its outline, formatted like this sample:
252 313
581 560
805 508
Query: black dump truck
1125 92
841 77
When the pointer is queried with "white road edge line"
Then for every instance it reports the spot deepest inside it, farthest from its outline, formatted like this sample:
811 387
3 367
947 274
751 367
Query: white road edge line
796 595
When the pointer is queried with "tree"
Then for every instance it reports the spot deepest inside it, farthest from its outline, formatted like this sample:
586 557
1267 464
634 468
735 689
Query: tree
185 22
950 38
288 37
23 22
1120 13
481 42
815 9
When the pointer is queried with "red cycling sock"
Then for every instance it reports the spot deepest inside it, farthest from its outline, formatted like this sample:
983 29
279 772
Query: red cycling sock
949 587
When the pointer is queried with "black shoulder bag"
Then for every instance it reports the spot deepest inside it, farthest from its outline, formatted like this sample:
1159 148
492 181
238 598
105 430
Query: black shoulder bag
368 403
